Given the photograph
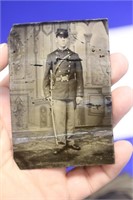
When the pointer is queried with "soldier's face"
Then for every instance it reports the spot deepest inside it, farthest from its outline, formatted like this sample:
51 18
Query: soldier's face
62 42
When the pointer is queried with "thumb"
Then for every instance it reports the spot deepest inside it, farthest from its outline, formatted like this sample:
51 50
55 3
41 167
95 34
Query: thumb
5 144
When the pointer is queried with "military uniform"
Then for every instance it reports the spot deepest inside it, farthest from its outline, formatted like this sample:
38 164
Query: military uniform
68 84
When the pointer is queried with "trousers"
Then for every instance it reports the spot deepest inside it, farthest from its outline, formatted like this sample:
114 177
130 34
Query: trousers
64 113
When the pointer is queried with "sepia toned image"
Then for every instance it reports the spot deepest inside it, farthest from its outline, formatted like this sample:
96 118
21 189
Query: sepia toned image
60 92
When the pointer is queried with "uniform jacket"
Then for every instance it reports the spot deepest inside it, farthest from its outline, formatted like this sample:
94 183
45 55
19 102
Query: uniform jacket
70 67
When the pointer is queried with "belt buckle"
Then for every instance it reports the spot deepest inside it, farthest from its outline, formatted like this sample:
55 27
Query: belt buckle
64 78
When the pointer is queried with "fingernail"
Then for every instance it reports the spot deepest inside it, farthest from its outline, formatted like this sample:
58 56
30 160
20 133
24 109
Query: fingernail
2 45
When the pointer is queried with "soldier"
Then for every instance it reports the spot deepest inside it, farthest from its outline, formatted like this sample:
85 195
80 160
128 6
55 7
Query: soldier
67 88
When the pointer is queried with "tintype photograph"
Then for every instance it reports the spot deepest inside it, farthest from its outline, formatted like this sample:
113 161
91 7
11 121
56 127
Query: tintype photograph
60 93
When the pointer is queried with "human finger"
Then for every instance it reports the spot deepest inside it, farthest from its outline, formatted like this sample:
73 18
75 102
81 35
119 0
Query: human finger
5 143
5 81
84 181
119 66
122 99
5 108
3 56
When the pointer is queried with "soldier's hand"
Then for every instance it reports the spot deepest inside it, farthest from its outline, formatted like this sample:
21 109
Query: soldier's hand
40 184
78 100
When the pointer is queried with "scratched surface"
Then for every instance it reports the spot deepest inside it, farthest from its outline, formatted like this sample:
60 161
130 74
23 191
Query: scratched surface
32 125
96 148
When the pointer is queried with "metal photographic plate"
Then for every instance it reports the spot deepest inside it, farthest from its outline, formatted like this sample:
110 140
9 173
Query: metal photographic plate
60 92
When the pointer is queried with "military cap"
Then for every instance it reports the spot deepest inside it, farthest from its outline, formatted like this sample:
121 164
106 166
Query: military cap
62 32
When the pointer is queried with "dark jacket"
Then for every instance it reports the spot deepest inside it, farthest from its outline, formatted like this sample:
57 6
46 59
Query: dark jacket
70 68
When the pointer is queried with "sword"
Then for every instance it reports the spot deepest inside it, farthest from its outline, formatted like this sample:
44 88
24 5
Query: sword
51 104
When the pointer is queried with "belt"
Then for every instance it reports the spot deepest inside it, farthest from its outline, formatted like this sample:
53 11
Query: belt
64 78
